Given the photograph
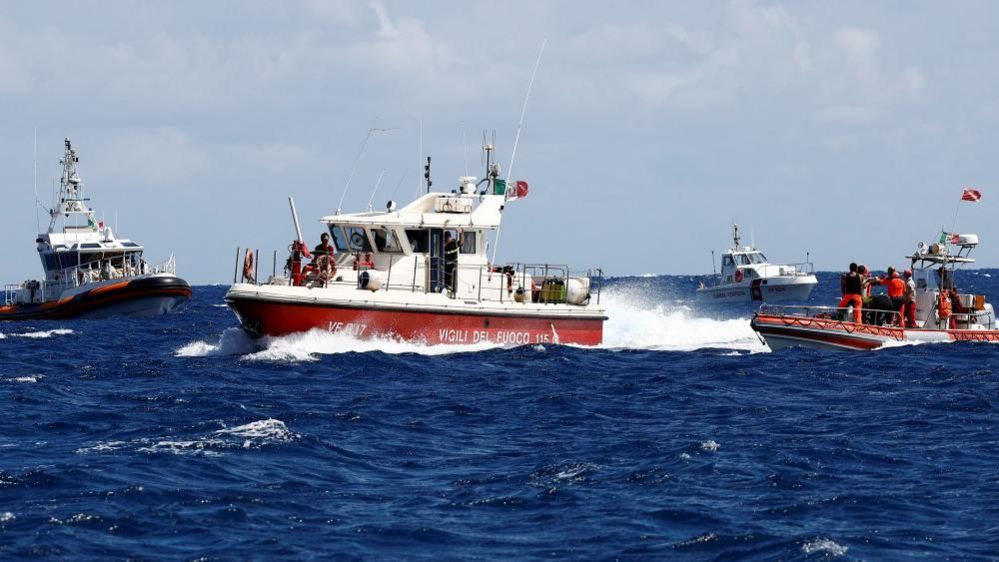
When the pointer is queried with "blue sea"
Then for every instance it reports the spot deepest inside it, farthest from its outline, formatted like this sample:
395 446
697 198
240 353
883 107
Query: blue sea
681 438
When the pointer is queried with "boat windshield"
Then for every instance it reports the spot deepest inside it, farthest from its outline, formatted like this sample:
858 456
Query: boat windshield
339 238
750 258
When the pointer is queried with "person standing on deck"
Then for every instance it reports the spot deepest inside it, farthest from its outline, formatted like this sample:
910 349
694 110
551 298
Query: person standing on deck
909 308
451 249
852 288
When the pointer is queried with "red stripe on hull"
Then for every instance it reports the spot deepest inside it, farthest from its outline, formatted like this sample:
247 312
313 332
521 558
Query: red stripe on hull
94 300
837 340
278 319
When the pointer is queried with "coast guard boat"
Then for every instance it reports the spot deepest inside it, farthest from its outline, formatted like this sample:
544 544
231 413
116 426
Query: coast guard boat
89 272
394 275
746 275
942 313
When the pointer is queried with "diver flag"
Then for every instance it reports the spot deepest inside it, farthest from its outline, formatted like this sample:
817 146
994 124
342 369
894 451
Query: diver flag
971 194
522 189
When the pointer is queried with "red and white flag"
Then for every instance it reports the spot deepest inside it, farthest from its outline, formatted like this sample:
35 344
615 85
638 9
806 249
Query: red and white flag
971 194
522 189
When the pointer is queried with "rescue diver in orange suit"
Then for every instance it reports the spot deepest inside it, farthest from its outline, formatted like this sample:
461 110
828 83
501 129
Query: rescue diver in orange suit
896 288
852 286
909 308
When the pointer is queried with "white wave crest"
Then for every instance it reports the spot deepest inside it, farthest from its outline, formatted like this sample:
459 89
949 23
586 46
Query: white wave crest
25 379
637 322
233 341
269 429
247 436
307 346
710 445
6 517
824 545
42 334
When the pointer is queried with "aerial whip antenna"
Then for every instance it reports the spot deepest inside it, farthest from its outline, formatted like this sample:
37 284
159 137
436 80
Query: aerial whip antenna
523 110
357 159
34 165
375 190
464 146
516 140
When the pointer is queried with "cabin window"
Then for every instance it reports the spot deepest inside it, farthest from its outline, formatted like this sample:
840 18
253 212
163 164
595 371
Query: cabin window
468 243
386 240
727 261
339 238
357 239
419 240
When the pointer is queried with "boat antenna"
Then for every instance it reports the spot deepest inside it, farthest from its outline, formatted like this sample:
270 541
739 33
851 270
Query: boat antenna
464 147
34 166
523 110
419 182
516 141
399 183
735 236
357 159
713 271
426 175
375 190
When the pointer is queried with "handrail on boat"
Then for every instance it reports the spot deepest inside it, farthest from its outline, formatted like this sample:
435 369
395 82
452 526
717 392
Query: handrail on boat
835 314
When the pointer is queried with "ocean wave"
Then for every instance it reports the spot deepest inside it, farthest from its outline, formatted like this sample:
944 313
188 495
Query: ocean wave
824 545
24 379
40 334
251 435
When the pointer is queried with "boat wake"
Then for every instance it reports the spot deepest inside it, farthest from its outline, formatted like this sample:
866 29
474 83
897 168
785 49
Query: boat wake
638 322
310 345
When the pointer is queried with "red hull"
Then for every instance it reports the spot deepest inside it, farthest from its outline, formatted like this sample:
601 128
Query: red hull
278 319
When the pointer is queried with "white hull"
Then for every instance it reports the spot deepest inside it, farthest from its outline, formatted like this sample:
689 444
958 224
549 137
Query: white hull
775 289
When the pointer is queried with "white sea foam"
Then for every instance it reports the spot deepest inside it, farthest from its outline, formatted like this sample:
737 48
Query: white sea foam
308 346
44 334
269 430
824 545
710 445
635 321
7 517
25 379
233 341
247 436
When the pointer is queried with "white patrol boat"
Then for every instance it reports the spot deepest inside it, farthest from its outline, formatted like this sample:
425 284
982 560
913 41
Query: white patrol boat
395 274
88 271
746 275
942 314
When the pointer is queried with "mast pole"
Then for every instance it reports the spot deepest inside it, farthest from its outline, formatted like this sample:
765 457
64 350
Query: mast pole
516 141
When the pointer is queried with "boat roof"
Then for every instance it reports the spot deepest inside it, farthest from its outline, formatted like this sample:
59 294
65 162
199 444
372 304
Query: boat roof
940 259
485 211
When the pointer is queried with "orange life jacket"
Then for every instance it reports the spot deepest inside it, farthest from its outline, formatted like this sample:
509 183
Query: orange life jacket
896 287
943 307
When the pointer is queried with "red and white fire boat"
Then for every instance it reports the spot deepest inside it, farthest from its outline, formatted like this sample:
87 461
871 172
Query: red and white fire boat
395 274
942 313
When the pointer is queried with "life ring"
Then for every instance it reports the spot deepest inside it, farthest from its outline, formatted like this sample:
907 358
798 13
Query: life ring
739 276
248 267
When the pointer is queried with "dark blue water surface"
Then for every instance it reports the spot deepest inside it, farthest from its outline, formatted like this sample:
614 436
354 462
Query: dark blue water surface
681 438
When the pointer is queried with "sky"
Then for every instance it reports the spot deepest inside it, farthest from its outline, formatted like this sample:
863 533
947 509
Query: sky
843 129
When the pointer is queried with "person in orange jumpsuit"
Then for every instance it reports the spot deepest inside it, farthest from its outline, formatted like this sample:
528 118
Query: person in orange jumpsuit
896 289
852 285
